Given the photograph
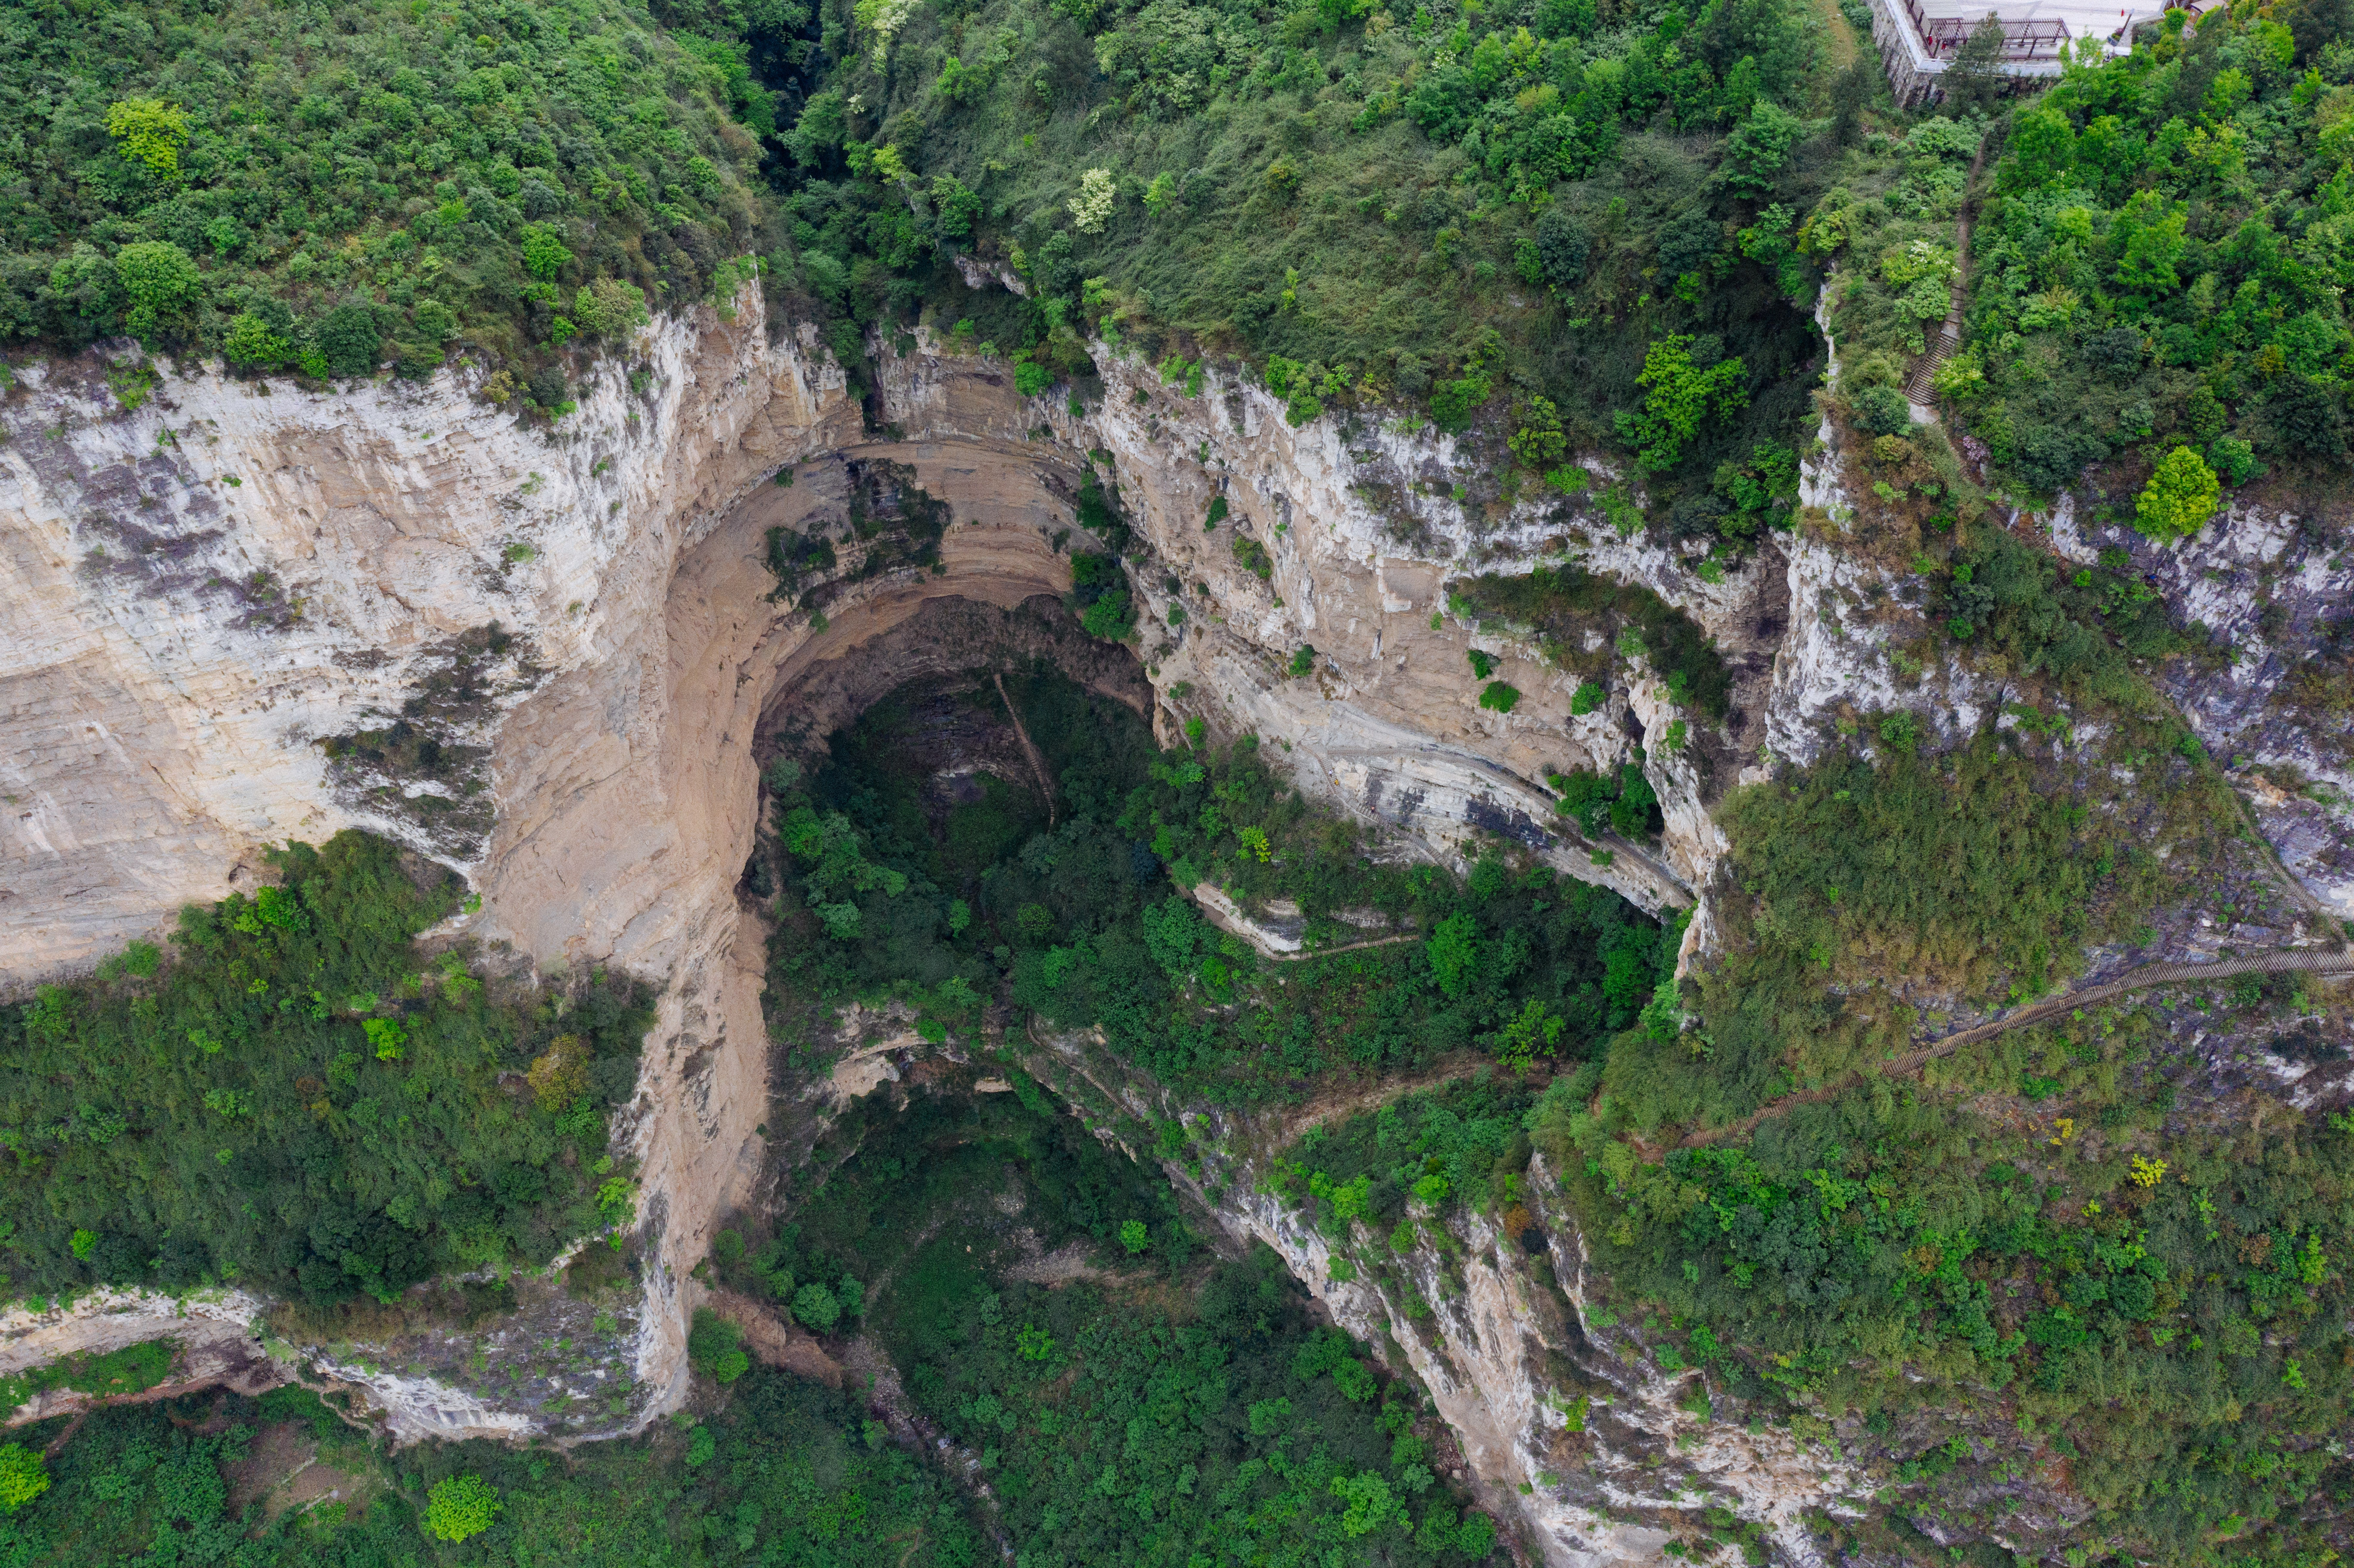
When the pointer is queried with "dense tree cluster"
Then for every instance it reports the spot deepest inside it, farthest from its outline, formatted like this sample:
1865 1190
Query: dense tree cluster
1087 923
298 1100
785 1468
305 194
1491 214
2157 268
2167 1309
1110 1428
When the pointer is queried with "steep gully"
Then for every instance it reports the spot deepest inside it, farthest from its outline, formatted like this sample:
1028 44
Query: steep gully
183 646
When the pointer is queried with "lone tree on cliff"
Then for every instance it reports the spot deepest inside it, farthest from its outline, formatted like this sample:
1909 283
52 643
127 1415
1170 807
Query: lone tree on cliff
1975 80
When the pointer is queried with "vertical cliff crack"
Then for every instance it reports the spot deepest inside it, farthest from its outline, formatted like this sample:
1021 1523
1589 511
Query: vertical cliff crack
1037 763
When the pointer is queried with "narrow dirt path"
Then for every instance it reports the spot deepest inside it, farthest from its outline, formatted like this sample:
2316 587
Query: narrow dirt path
2308 960
1359 1099
1037 763
1343 948
1838 36
1305 953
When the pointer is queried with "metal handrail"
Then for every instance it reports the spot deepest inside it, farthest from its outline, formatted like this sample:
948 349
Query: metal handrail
1942 36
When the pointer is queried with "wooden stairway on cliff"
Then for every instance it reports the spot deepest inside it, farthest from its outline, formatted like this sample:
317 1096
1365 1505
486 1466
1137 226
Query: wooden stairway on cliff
1920 385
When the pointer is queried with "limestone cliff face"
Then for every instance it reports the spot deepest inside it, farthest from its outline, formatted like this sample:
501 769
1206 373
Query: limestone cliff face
209 594
1545 1394
1361 534
230 615
1572 1435
2272 588
223 601
208 591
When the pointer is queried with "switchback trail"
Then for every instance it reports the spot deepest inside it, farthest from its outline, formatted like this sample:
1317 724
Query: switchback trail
2311 961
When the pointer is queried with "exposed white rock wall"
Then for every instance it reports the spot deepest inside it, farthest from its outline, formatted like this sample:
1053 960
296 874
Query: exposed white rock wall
1363 531
2266 587
1507 1349
1507 1343
200 590
216 1336
607 805
174 645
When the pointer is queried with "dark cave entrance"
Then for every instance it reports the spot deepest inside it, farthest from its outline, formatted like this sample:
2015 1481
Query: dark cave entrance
937 802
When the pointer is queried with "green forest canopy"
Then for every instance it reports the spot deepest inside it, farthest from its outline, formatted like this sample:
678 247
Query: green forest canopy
2160 260
302 190
302 1102
1469 208
1603 220
1615 209
1087 923
1184 1410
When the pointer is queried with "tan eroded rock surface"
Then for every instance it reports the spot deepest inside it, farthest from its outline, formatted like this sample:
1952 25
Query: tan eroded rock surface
773 1341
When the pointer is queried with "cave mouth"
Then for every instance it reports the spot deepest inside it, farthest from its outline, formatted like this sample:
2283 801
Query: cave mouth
953 641
939 801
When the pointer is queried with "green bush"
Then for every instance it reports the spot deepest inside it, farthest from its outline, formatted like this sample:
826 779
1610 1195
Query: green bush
2183 309
1949 868
461 1508
796 1470
24 1476
1498 696
1677 396
714 1348
1881 411
1624 801
1026 1376
1566 607
1350 256
2234 460
2182 496
1099 594
1079 927
817 1307
2079 628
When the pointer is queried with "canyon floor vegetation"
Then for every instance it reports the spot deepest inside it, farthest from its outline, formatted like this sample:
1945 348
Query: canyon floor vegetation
1146 1404
892 890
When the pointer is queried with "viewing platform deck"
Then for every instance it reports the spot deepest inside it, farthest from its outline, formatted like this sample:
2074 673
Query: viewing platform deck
1918 39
